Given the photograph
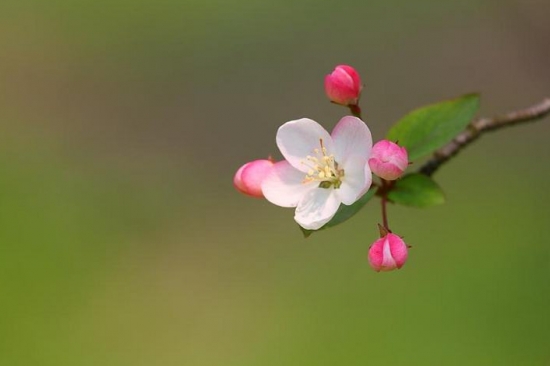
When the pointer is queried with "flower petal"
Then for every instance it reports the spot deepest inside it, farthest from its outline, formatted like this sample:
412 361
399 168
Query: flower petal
238 180
253 174
354 76
297 139
316 208
356 181
351 136
388 262
283 185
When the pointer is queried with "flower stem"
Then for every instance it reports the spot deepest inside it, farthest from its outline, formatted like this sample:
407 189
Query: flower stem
384 190
480 126
384 214
355 110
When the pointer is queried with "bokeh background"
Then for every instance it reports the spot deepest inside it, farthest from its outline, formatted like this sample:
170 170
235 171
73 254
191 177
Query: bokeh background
123 242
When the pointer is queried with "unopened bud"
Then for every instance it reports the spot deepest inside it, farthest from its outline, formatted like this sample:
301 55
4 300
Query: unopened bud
388 253
343 85
249 177
388 160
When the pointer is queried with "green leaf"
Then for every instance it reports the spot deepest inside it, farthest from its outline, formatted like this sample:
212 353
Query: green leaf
344 212
416 190
426 129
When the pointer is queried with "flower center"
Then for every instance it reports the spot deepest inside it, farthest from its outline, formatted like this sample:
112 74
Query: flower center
323 168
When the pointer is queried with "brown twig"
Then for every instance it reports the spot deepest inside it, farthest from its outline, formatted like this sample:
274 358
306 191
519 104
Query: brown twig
479 126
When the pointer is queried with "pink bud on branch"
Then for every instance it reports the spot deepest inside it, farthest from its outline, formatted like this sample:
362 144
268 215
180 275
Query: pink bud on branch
249 177
343 85
388 160
388 253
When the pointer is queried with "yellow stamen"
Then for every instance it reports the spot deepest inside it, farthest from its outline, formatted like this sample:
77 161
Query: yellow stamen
323 168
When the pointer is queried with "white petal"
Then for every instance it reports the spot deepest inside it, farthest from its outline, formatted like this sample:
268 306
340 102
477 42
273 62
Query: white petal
297 139
283 185
356 181
351 136
316 208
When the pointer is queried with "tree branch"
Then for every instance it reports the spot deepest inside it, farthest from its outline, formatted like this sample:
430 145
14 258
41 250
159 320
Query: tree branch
479 126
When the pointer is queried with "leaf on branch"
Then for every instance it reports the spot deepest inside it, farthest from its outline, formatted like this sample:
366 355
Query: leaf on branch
344 213
416 190
426 129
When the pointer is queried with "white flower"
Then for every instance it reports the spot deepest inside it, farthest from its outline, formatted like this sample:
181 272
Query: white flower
321 170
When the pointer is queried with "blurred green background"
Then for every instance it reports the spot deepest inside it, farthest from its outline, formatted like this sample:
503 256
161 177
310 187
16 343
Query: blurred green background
123 242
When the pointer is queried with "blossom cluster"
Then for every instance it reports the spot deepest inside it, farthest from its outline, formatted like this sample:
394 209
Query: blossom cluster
322 171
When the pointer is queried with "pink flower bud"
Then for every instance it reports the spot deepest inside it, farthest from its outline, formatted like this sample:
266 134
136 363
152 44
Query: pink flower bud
343 85
388 253
249 177
388 160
